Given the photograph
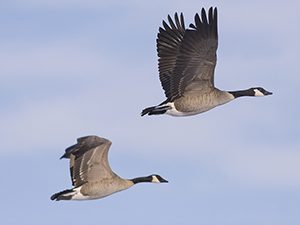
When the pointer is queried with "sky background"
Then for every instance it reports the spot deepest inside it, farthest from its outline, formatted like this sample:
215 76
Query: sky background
75 68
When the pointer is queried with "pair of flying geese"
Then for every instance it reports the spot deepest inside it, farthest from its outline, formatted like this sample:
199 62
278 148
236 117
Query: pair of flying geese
187 59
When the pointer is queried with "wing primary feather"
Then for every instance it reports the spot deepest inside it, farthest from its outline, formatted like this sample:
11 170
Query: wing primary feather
177 20
210 15
203 16
182 21
166 26
171 21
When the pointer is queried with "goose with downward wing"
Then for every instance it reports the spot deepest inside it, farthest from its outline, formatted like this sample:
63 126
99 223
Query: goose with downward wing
91 174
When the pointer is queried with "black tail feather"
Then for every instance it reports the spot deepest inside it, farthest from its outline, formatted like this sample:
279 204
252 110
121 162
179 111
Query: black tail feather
155 110
147 110
60 195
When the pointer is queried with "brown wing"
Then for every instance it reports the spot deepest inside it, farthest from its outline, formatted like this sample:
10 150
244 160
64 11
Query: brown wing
168 42
196 61
88 160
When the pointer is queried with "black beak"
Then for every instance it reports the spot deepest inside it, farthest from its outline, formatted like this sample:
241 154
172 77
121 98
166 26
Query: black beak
267 93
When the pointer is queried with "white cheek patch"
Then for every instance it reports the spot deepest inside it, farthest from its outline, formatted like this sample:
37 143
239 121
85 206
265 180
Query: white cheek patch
155 180
258 93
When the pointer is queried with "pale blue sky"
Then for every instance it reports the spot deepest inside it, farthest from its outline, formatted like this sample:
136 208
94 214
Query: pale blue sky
75 68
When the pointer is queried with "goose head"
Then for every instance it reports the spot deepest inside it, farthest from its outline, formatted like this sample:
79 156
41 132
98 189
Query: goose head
157 179
259 92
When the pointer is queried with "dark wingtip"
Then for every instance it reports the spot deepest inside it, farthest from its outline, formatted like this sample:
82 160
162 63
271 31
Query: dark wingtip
192 26
68 152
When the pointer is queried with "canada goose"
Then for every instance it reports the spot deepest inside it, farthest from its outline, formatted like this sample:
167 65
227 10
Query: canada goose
91 174
187 59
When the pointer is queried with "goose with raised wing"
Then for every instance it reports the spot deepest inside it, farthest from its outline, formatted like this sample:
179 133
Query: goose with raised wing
91 174
187 60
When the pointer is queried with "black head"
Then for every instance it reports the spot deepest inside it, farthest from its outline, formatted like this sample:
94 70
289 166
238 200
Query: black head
259 91
157 179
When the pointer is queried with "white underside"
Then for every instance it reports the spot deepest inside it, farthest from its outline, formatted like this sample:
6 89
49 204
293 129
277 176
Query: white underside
78 195
174 112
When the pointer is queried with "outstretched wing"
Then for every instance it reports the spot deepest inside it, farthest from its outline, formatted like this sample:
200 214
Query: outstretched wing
88 160
196 60
168 42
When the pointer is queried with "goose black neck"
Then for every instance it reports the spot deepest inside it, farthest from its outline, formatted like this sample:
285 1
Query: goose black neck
248 92
141 179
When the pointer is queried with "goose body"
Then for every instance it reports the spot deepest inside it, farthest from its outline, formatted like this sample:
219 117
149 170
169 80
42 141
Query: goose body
91 174
187 60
